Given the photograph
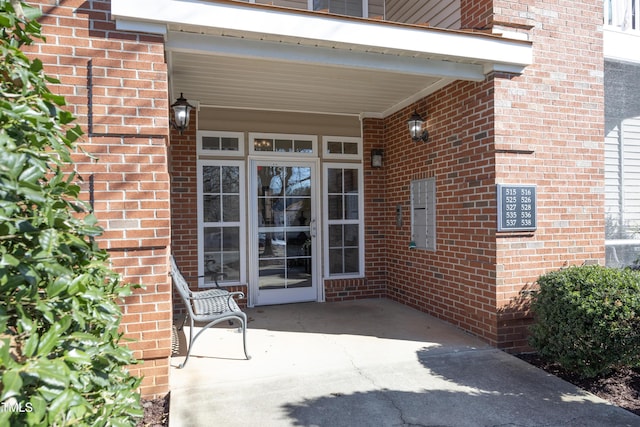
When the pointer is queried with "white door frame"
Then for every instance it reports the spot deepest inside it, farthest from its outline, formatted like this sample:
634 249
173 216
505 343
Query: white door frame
282 296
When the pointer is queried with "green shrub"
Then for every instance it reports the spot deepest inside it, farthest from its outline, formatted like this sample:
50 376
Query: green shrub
61 362
588 319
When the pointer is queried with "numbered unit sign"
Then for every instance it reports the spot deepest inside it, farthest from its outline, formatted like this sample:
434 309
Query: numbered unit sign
516 207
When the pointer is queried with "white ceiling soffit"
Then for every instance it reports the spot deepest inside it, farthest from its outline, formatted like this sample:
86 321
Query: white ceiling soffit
241 55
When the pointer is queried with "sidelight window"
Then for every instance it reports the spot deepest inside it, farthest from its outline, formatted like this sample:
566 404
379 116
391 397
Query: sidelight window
343 213
221 221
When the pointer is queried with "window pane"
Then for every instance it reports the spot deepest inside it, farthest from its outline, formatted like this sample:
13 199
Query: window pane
303 146
351 206
335 207
211 208
334 147
211 179
230 179
230 144
284 145
230 208
334 181
275 182
298 277
230 267
210 142
351 260
263 145
351 234
298 211
335 261
298 181
231 238
350 180
212 263
275 211
298 244
271 273
335 236
212 239
350 148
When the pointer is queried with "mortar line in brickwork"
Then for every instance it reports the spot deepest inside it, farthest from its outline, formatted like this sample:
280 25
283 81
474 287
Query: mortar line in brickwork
137 248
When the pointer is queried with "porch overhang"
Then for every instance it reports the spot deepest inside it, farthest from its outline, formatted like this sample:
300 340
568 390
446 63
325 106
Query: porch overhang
228 54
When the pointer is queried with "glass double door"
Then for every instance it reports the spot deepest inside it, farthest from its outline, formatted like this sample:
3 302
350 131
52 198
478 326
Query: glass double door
284 204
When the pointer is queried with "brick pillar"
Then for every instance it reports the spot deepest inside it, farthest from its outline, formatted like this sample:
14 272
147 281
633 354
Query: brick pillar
377 214
116 84
549 132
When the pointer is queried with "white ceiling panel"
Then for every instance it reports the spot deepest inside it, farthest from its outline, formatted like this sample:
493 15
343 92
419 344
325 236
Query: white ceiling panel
261 84
249 56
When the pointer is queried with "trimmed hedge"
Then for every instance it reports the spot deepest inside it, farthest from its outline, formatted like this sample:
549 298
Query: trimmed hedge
588 319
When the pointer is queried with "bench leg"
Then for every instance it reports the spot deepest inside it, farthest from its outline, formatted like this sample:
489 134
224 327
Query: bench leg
243 324
184 322
242 318
191 340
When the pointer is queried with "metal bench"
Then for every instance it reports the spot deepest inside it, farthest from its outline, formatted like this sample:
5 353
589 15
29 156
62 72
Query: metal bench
211 306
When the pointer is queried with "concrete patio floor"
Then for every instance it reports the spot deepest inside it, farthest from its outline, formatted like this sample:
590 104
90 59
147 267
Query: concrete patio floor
368 363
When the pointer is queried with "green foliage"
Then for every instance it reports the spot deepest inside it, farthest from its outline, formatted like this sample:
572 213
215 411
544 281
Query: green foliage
588 319
61 361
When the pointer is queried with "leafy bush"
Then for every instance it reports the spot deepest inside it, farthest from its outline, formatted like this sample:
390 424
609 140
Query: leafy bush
60 356
588 319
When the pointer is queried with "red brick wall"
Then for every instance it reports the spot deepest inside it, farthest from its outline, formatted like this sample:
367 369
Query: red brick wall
116 84
476 14
544 127
457 281
555 110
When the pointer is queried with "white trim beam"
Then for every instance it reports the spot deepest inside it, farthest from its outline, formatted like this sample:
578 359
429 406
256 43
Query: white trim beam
272 51
404 39
621 45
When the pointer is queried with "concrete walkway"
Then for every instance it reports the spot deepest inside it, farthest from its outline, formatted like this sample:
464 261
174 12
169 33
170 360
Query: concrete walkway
368 363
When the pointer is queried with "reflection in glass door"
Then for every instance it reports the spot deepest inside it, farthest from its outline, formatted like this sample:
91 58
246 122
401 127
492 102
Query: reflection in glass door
284 218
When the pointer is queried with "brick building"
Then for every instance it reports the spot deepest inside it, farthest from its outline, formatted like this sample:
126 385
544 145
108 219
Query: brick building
273 181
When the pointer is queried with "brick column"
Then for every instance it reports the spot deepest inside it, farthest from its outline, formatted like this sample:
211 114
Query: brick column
549 132
116 84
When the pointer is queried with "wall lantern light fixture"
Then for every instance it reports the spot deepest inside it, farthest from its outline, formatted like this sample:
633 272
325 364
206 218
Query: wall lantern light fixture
181 110
376 158
416 124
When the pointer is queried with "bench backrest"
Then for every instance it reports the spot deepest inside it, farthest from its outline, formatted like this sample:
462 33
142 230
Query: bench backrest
180 283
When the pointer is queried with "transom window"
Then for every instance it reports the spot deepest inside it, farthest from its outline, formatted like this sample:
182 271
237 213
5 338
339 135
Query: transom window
221 143
341 147
290 145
